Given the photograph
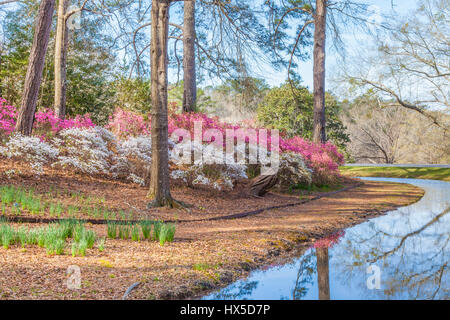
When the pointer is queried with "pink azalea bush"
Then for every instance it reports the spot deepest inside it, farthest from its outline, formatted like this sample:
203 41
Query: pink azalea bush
8 116
46 123
323 159
125 124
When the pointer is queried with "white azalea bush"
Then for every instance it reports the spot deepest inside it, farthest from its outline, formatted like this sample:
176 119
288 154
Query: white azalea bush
86 150
35 152
292 171
215 169
97 150
218 176
133 160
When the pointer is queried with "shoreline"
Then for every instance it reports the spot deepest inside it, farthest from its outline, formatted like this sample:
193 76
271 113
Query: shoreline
289 250
297 249
205 256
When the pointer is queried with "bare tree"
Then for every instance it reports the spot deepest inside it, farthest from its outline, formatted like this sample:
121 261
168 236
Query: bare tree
381 133
61 48
189 74
374 132
411 67
33 78
320 22
160 182
61 44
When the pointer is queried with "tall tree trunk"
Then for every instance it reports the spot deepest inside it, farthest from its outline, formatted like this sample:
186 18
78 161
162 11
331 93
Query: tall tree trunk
159 182
190 81
323 273
35 67
61 43
319 134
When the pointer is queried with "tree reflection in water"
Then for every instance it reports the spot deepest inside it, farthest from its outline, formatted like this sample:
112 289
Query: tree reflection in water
410 246
413 262
238 290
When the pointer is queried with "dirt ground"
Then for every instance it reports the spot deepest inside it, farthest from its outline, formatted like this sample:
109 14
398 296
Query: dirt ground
205 254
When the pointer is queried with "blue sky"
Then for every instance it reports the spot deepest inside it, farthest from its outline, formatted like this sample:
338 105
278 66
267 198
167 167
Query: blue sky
305 69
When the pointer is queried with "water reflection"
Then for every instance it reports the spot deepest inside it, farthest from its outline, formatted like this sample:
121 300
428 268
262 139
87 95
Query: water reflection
323 273
409 246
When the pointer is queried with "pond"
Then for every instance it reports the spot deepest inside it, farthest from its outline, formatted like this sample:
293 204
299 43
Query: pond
401 255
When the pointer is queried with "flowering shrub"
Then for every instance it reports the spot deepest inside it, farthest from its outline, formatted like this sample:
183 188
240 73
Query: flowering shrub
216 169
126 124
187 120
7 118
293 171
134 160
134 156
125 151
47 123
31 149
322 159
89 150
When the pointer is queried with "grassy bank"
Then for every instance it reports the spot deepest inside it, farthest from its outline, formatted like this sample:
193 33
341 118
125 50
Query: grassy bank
398 172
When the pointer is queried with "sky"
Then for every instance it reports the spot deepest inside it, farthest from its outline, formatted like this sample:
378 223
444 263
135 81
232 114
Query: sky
332 61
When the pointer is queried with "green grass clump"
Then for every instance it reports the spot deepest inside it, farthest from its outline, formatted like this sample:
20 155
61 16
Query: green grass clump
8 194
157 230
135 233
7 236
83 234
74 249
146 227
32 236
22 236
79 248
111 229
167 233
162 232
21 199
68 226
90 237
101 244
56 246
55 239
41 238
78 233
55 209
52 238
124 231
